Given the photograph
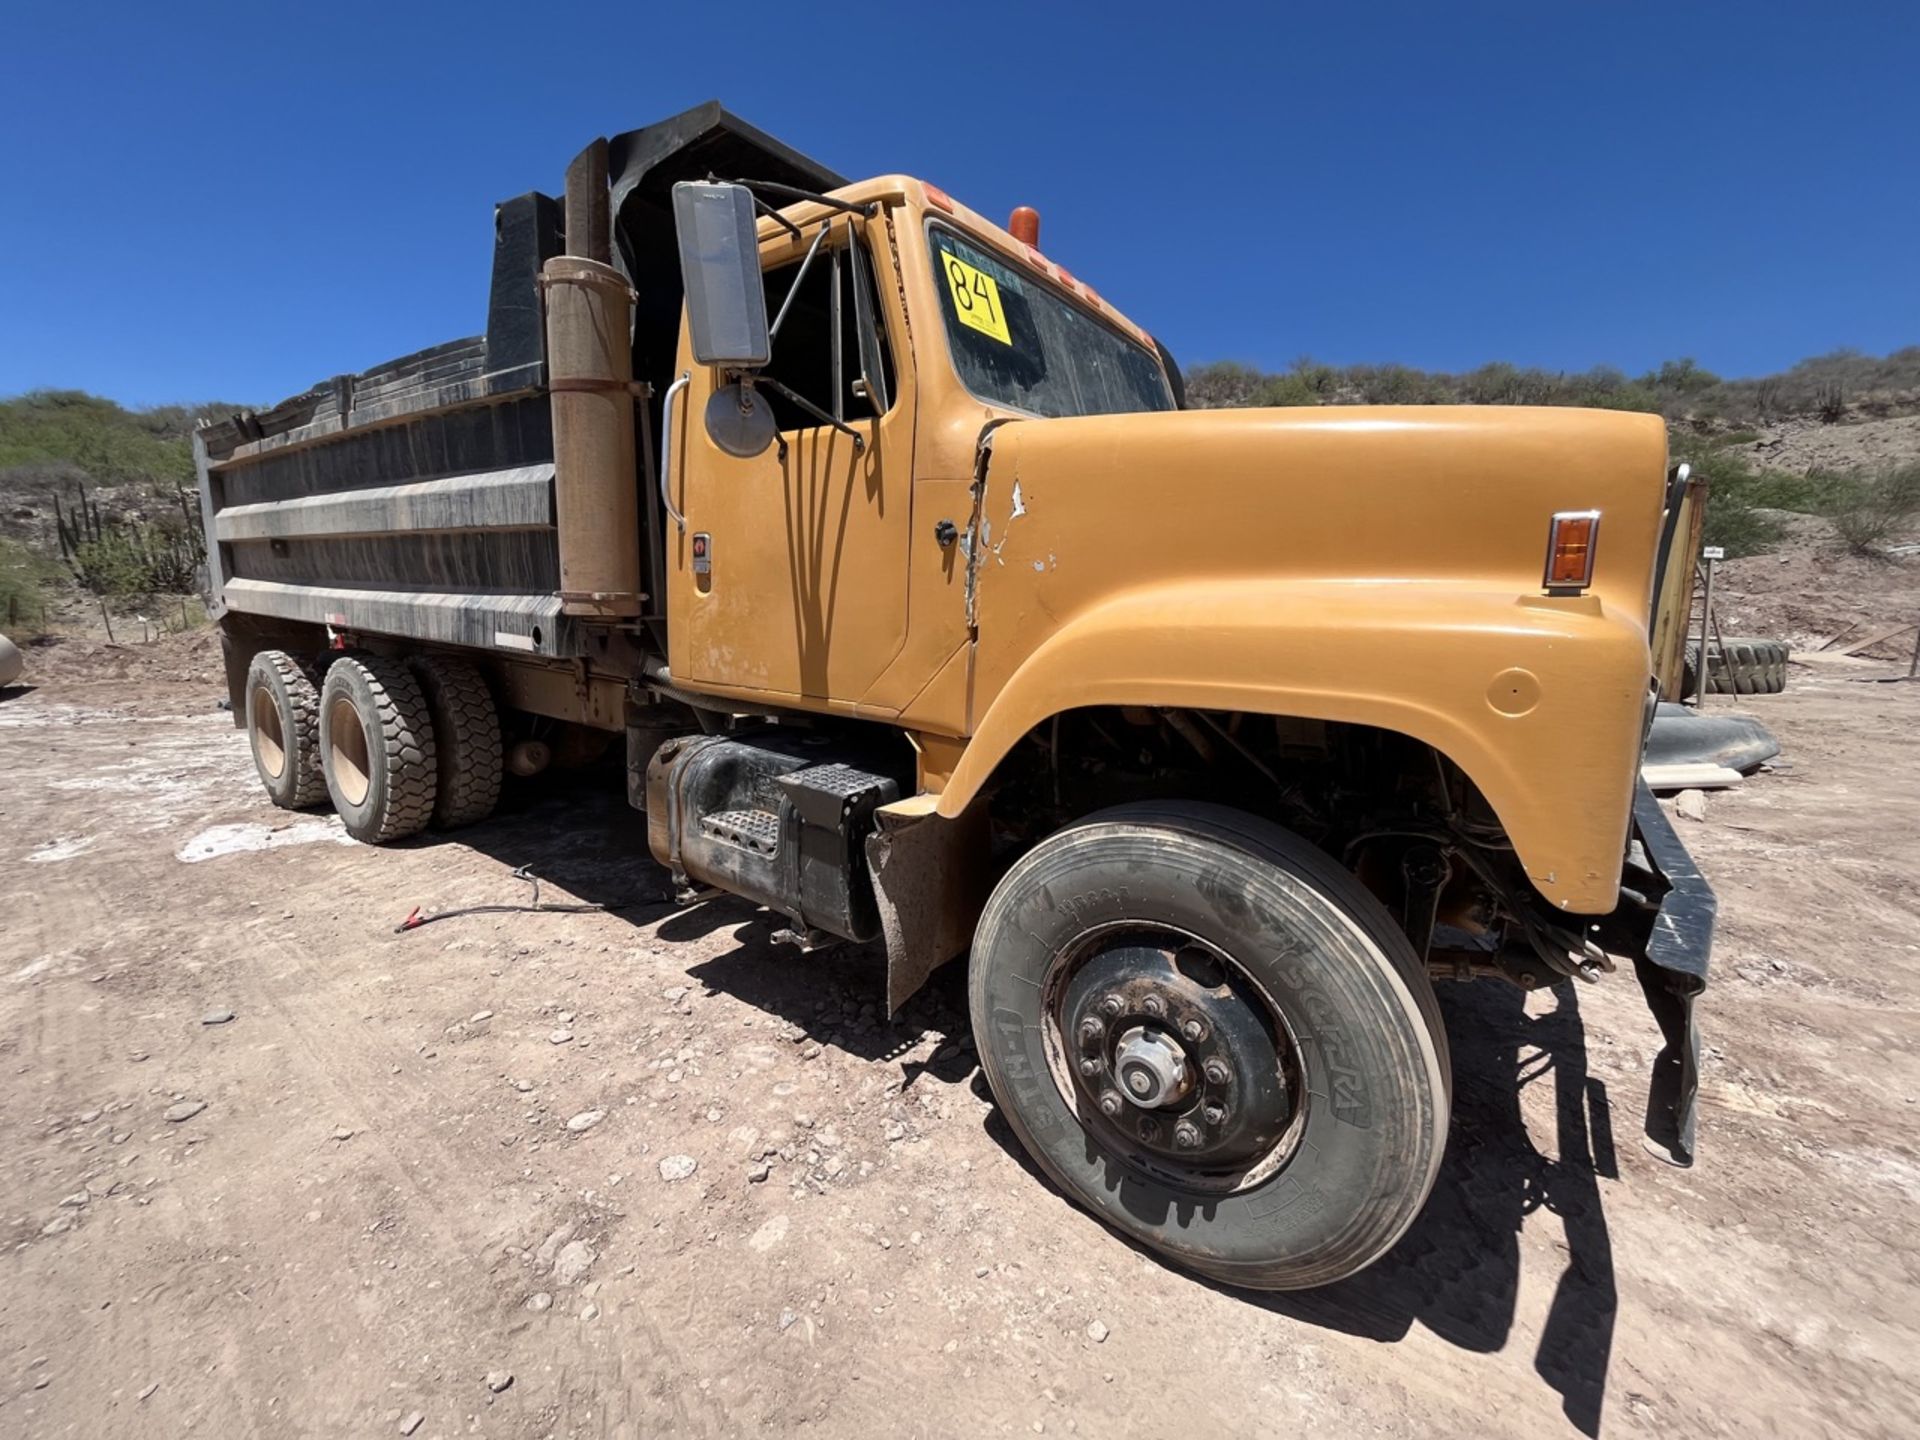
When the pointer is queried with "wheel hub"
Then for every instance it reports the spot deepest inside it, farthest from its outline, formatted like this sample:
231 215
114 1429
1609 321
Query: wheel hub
1172 1053
1152 1068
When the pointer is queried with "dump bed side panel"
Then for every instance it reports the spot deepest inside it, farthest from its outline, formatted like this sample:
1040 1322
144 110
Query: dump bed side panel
414 499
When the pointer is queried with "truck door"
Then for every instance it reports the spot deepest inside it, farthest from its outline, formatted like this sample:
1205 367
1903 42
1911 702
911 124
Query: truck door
789 577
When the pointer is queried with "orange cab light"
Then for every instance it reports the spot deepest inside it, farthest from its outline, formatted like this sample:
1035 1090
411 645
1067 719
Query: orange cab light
1024 225
1570 547
938 196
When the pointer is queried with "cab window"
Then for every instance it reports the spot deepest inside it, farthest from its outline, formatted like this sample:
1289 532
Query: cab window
806 358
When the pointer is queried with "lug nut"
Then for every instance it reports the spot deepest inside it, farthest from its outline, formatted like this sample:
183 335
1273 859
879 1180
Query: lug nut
1089 1067
1185 1136
1111 1104
1217 1072
1154 1006
1216 1114
1111 1007
1091 1030
1194 1031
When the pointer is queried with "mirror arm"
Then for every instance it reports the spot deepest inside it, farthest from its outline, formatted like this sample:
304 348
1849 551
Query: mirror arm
794 192
774 215
798 281
859 440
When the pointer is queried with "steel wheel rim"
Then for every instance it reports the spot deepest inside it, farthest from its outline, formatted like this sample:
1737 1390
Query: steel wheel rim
348 752
269 738
1262 1098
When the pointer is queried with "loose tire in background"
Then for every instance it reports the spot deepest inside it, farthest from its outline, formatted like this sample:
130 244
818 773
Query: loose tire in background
1742 665
466 737
376 748
283 730
1216 1040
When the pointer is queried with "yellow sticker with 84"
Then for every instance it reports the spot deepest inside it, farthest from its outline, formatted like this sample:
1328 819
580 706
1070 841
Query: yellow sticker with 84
976 298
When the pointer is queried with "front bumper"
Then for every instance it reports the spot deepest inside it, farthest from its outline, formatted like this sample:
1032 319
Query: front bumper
1667 909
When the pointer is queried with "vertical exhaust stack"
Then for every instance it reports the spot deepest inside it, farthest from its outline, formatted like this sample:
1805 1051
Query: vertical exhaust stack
590 373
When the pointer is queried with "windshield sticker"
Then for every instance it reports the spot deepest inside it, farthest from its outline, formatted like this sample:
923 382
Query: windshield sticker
976 299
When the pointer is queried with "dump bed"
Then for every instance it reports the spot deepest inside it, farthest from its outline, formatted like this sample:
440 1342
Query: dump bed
418 499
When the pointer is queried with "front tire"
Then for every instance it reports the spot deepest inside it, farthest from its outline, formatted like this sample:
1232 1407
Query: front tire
1216 1040
376 747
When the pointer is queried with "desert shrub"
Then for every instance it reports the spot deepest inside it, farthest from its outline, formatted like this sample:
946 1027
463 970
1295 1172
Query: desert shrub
126 554
1869 508
1737 494
1288 389
1223 385
1319 380
27 579
1680 377
1394 385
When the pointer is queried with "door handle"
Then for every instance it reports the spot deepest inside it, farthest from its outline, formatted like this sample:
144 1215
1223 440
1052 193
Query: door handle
666 448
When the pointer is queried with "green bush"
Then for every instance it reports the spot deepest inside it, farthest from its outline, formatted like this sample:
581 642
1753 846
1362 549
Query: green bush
1869 508
27 579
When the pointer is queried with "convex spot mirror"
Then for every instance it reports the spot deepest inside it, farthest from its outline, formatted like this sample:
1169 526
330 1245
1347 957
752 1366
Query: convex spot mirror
720 269
739 421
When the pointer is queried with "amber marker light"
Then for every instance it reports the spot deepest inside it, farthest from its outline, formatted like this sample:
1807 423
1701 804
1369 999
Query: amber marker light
1570 547
938 196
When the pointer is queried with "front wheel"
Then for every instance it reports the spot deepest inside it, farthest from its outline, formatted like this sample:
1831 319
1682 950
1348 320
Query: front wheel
1216 1040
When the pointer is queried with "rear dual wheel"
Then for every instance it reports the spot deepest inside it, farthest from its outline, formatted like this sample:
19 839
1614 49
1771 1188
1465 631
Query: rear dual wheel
377 748
1216 1040
283 729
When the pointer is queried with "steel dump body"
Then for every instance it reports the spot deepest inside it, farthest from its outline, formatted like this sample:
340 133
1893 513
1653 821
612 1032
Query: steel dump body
417 499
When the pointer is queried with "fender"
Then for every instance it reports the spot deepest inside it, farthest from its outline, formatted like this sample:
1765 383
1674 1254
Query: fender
1538 699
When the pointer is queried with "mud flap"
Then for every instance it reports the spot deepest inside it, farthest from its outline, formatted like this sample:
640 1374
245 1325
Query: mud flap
1671 963
930 879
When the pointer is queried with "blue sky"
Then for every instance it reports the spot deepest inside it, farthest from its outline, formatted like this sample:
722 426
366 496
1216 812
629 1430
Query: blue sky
198 201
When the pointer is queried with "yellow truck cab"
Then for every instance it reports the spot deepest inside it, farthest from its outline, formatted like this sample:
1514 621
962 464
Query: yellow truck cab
929 616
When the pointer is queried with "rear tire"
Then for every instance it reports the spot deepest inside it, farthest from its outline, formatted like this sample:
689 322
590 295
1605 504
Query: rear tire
376 748
283 730
466 737
1212 915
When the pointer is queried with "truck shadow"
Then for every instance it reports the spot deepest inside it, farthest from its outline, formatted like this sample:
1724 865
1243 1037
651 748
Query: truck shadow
1456 1271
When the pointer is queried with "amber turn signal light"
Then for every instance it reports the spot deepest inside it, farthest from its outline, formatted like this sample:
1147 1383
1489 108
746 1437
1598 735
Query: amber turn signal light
1570 546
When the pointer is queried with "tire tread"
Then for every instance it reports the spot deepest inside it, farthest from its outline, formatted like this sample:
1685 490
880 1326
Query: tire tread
466 726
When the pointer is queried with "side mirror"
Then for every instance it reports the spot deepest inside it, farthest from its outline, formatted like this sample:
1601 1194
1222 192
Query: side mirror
720 268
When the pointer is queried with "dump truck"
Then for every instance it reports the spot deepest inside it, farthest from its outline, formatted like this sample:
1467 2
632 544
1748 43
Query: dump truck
926 615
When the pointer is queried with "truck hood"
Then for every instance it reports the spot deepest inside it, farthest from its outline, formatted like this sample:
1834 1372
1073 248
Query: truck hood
1395 496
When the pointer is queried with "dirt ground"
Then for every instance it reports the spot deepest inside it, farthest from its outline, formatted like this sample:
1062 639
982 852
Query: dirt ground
791 1215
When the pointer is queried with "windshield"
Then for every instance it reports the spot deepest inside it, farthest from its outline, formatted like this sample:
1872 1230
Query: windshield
1018 343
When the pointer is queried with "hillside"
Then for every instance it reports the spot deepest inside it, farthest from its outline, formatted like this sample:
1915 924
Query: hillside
121 481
